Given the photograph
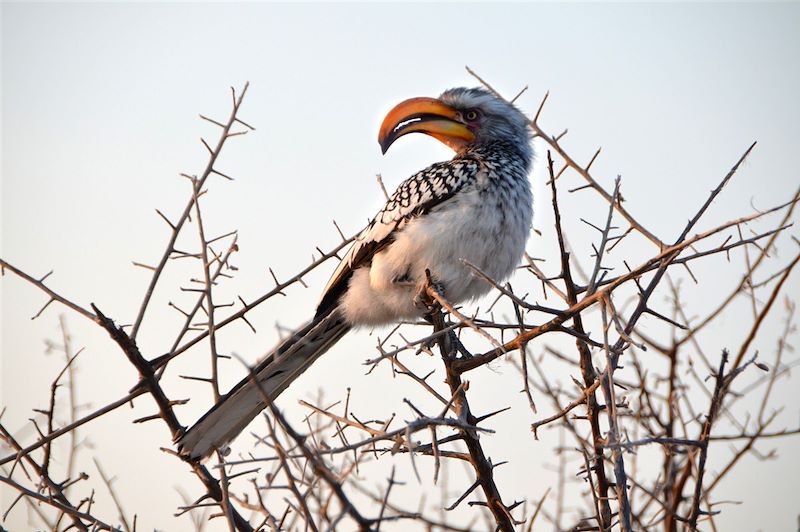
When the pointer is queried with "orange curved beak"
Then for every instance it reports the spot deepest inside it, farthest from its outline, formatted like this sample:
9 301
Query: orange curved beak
424 115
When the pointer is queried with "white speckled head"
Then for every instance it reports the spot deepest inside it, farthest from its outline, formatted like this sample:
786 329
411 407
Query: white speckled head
491 118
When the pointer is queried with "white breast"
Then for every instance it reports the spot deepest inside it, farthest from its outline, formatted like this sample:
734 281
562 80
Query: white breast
480 225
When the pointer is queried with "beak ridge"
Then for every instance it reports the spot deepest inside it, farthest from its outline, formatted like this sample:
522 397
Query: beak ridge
424 115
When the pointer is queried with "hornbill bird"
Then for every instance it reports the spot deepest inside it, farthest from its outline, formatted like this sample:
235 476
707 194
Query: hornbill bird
476 207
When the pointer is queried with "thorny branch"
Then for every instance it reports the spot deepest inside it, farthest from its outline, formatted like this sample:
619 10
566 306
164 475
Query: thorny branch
632 388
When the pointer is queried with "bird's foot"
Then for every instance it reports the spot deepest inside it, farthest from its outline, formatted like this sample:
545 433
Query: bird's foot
451 339
424 302
423 299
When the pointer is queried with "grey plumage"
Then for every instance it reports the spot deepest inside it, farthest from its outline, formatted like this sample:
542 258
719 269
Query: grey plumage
413 197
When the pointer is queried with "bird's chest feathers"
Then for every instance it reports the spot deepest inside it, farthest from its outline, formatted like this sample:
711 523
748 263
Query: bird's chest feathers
485 224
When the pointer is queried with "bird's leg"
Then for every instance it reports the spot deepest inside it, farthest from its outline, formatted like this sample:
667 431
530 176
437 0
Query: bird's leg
459 346
452 337
430 305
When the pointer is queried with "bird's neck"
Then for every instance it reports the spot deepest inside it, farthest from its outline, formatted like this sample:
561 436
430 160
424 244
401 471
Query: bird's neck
520 153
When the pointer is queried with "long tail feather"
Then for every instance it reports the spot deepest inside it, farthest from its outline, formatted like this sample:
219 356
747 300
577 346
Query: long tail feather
226 419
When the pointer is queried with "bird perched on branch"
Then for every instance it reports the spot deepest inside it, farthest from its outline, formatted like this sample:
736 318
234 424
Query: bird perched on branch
476 207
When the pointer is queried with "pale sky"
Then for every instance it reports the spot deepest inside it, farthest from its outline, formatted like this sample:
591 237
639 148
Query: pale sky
99 115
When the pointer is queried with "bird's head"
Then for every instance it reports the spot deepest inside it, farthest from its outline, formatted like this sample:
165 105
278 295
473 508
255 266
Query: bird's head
460 118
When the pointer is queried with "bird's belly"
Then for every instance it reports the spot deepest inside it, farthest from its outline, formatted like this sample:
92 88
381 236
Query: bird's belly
474 228
477 230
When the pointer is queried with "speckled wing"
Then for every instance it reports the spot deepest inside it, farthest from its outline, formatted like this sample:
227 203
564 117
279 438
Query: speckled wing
414 197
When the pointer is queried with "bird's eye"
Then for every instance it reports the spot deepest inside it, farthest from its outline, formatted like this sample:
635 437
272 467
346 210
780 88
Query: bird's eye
471 115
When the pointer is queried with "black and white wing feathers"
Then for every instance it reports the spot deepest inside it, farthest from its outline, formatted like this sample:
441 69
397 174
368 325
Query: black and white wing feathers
414 197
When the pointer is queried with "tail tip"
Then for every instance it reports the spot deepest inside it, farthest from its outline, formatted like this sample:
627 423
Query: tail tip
199 450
